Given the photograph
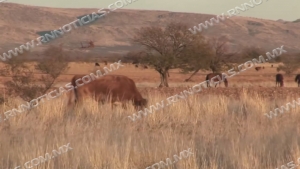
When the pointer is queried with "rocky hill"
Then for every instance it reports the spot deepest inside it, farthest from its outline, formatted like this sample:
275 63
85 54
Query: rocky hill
112 33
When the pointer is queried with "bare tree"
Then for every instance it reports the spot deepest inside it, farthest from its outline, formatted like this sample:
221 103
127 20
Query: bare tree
290 65
164 47
54 63
212 54
22 83
198 57
222 58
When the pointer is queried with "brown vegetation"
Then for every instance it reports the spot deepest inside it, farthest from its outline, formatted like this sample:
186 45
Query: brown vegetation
218 123
224 127
221 131
24 84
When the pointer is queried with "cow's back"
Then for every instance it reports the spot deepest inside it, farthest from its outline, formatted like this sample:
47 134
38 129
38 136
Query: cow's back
211 75
118 87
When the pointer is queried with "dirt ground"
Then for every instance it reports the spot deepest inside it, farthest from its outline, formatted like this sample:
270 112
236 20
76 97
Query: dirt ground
262 82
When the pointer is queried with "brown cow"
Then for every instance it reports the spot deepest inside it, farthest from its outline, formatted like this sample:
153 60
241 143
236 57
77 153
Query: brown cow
97 64
105 62
297 79
257 68
211 75
115 87
279 80
91 44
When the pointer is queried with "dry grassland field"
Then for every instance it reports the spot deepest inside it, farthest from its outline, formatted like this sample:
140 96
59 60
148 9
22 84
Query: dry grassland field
224 127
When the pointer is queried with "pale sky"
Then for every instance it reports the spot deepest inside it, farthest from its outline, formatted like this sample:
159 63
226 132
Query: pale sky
269 9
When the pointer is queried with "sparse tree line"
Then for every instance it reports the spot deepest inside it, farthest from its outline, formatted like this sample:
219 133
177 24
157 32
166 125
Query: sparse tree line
28 81
25 82
172 47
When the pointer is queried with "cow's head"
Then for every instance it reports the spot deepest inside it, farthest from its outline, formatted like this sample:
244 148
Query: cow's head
144 102
141 103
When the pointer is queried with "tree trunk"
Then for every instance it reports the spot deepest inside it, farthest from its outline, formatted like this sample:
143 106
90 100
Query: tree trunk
163 79
188 79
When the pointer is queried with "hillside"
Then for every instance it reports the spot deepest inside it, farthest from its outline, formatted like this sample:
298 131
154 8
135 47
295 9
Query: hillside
20 24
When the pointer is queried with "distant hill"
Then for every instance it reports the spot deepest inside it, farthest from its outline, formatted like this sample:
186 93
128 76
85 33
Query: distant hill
298 20
79 17
114 31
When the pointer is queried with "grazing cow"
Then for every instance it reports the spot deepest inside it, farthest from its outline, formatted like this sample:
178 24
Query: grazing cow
91 44
211 75
97 64
118 88
297 79
279 80
257 68
145 67
136 65
271 65
105 62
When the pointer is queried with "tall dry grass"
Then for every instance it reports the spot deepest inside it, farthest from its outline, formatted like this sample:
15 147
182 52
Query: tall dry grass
223 133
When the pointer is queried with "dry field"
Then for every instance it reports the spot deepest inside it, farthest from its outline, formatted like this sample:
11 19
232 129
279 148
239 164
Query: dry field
225 127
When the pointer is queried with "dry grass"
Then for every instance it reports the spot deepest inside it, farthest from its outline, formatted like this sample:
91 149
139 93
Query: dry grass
223 133
225 127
